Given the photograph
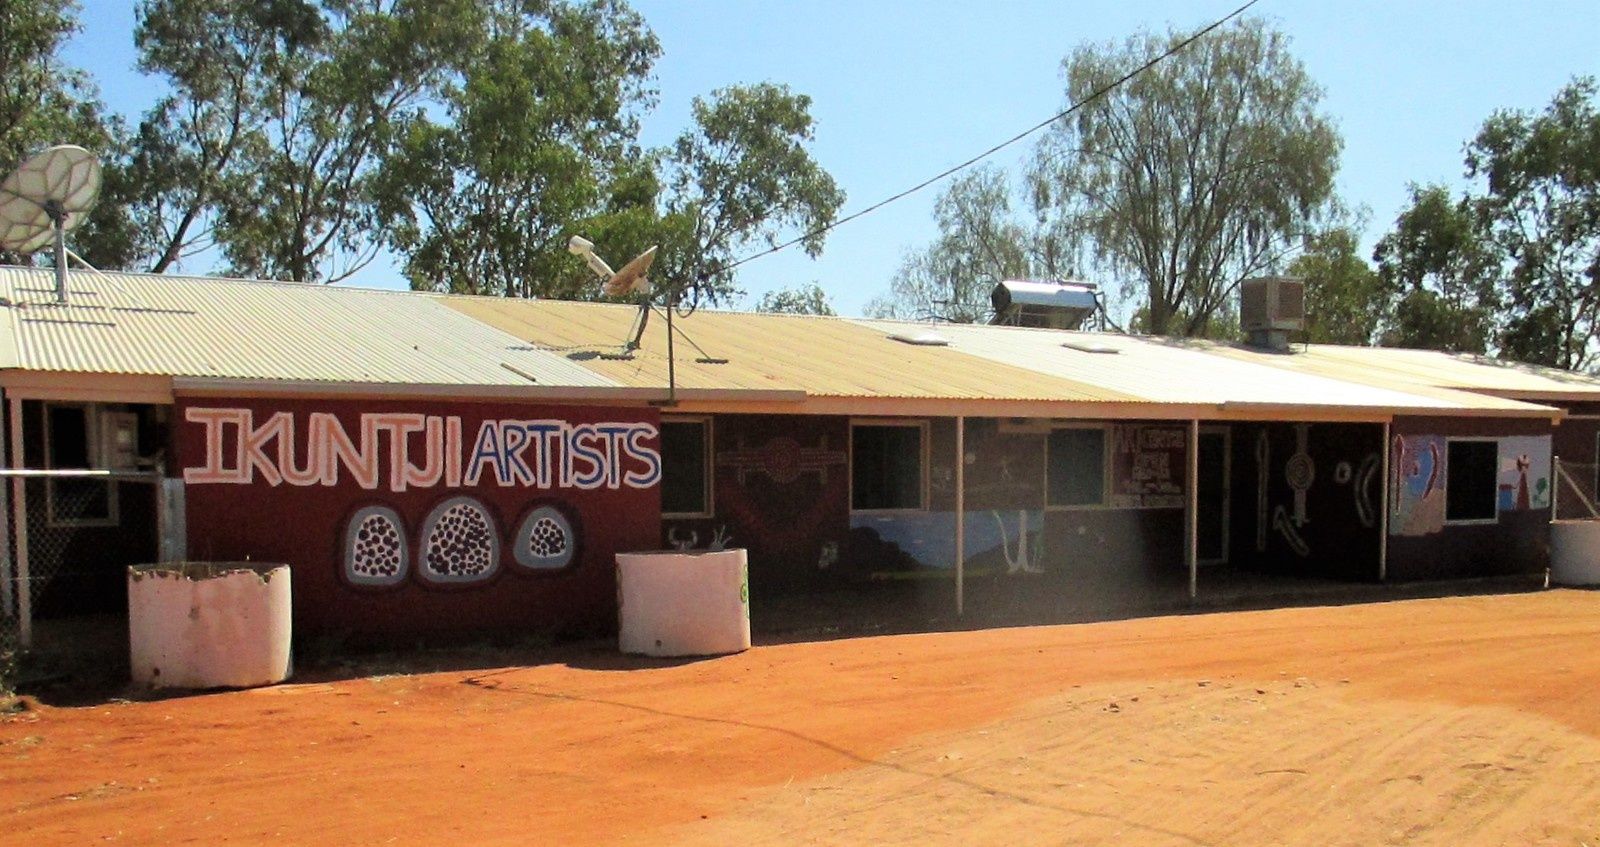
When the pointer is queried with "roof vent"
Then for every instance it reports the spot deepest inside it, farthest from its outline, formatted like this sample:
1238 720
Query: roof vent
1270 307
1089 347
924 338
1061 304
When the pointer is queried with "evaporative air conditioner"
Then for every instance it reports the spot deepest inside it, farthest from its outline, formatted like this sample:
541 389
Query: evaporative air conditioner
1271 307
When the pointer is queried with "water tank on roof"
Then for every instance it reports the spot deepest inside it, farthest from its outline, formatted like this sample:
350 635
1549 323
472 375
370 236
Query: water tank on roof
1064 304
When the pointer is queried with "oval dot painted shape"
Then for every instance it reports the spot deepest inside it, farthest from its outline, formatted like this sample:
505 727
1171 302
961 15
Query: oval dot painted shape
375 549
459 543
545 540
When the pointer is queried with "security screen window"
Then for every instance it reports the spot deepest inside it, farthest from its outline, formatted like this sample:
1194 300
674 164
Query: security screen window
69 446
1471 481
685 468
1077 467
886 467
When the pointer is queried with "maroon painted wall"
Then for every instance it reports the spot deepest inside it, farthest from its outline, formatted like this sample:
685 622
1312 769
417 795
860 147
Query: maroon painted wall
565 583
1517 543
781 490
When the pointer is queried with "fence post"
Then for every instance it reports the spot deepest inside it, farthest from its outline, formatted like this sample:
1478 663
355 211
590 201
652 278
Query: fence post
1555 489
8 574
19 518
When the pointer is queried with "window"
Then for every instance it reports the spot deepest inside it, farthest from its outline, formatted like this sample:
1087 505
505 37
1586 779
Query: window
1076 467
887 467
1471 483
686 468
70 444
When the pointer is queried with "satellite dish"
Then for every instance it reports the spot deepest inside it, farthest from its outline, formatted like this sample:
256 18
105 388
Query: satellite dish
614 283
632 276
44 198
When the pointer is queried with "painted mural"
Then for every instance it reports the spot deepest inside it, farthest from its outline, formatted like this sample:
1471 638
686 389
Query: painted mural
780 490
419 515
1420 474
1416 486
1524 478
1147 466
1009 541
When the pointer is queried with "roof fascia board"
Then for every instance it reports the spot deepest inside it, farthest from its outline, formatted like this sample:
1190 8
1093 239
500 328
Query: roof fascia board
87 387
1273 411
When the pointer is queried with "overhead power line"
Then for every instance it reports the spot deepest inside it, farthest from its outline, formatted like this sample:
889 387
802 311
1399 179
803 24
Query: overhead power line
1095 95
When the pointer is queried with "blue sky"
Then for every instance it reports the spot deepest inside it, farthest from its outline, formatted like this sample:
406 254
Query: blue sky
902 90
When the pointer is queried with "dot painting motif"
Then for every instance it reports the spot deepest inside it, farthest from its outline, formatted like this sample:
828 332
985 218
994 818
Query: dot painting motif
545 540
375 549
459 543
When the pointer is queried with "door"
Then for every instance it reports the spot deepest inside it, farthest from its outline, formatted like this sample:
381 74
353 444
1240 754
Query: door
1212 512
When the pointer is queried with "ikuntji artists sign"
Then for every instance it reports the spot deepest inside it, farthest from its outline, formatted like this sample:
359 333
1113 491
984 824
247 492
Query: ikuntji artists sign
401 516
411 450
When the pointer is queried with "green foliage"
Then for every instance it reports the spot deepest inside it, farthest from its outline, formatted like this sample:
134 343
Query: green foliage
1346 300
980 243
42 103
803 300
1200 172
538 142
537 134
742 176
1441 274
281 117
1542 212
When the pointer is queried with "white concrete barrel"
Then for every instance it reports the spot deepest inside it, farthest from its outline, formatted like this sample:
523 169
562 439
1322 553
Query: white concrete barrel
209 625
683 603
1575 552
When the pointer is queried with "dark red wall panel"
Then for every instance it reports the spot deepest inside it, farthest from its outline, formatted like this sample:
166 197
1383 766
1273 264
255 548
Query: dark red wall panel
565 488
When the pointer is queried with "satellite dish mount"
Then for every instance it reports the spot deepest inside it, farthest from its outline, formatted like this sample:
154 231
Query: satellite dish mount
44 198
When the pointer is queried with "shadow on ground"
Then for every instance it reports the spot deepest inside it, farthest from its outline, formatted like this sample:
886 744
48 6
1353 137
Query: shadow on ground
84 662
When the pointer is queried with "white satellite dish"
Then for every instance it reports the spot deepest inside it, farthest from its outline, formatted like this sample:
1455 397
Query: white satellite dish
615 283
44 198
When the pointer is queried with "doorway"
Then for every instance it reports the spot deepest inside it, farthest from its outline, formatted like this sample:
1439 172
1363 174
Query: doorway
1213 461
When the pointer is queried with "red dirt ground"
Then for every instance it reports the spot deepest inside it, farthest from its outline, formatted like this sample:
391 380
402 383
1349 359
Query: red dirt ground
1467 720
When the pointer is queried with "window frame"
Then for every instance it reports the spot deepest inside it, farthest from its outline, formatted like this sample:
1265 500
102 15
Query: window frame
92 423
924 458
708 441
1105 468
1494 490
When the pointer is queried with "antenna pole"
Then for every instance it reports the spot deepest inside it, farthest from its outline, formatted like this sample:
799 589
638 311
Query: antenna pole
672 376
61 261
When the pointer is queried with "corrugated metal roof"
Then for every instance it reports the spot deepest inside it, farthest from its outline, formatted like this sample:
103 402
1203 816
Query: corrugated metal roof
1432 367
205 328
824 357
183 326
1169 371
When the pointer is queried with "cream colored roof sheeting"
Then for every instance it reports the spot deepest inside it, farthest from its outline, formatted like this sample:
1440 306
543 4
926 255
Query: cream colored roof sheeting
208 327
1171 371
824 357
1449 370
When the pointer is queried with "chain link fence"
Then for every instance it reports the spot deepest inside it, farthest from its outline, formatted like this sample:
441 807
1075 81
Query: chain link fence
69 537
1575 491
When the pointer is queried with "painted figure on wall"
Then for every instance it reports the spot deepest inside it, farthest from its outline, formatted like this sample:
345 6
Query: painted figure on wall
1416 494
1524 478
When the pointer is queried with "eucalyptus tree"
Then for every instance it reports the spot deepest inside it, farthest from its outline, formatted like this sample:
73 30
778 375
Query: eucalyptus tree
1203 170
44 102
1541 210
980 242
